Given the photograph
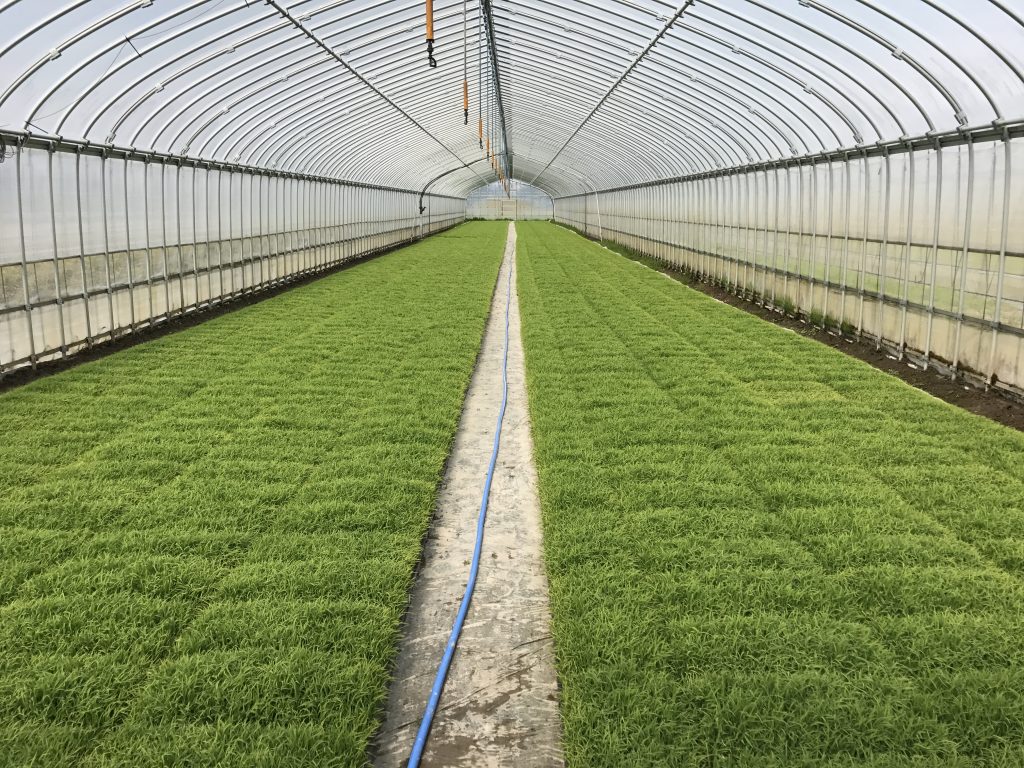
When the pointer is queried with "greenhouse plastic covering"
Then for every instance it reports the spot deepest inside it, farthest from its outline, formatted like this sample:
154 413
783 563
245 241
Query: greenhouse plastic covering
152 139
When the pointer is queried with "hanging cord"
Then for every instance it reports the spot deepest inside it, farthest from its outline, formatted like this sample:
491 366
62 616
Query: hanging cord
474 568
465 65
431 61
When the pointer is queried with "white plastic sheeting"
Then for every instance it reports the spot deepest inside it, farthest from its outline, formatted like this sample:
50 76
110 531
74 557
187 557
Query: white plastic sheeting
882 131
96 244
921 249
521 201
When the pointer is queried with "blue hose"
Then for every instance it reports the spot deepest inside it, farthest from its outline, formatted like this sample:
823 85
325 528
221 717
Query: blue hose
453 640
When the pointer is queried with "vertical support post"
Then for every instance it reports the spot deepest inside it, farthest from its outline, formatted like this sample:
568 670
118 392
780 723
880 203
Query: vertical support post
997 319
905 293
812 239
862 285
799 233
148 241
775 238
106 244
255 231
211 297
58 291
26 296
163 228
883 251
826 282
81 248
224 237
847 201
965 257
128 251
178 246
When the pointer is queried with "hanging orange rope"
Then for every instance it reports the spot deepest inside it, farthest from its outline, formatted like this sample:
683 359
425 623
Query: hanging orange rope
430 34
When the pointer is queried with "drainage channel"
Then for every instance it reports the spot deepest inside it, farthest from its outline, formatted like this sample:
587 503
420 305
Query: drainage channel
500 702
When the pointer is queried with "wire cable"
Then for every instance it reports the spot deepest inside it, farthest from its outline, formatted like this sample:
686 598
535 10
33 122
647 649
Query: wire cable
474 568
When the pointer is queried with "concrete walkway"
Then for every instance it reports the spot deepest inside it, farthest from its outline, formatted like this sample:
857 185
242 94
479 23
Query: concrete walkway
500 705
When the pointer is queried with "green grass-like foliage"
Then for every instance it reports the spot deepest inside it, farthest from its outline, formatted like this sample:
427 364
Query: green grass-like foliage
207 540
762 552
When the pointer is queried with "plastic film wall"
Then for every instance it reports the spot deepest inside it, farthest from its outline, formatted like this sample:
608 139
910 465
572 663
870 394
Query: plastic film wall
95 244
920 247
521 202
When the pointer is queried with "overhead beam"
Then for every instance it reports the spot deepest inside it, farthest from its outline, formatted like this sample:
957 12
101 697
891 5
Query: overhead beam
355 73
492 50
621 78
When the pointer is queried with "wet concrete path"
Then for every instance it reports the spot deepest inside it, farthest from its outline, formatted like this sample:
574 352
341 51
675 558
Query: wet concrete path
500 704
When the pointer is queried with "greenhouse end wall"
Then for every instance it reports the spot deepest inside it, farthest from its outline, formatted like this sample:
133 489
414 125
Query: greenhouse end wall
521 201
919 247
97 244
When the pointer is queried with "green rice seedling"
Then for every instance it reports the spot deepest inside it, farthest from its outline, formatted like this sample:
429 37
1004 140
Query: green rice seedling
786 306
206 541
761 551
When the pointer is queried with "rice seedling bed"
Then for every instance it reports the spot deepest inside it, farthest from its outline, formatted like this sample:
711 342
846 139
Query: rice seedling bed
206 541
762 551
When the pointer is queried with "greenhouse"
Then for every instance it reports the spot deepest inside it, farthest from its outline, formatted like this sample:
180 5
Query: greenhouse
591 383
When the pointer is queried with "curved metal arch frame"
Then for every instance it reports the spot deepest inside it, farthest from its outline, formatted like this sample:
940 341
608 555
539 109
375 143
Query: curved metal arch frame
816 56
669 126
181 32
202 49
772 66
637 48
350 106
671 130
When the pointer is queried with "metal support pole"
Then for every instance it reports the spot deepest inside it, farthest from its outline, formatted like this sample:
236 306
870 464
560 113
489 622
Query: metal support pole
965 258
26 296
847 235
81 250
148 241
106 244
163 229
905 293
181 256
775 239
826 282
128 251
59 293
211 298
866 217
883 252
997 318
